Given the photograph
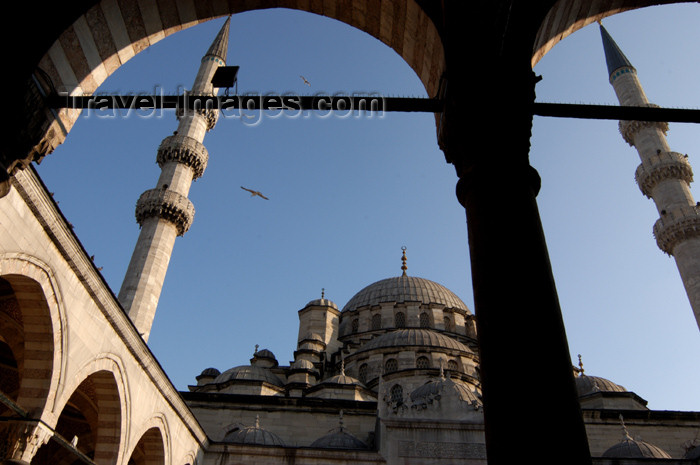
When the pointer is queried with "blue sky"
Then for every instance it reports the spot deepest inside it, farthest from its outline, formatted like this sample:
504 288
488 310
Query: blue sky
346 193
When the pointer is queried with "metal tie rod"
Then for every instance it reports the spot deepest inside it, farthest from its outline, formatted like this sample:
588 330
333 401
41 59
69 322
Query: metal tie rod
357 103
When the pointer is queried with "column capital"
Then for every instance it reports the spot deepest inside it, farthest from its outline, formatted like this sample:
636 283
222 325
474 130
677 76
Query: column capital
677 226
168 205
660 167
185 150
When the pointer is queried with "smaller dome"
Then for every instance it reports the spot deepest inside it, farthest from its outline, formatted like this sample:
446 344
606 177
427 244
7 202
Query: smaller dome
254 435
210 372
693 452
342 379
265 353
303 364
322 303
586 385
629 448
250 373
339 439
436 388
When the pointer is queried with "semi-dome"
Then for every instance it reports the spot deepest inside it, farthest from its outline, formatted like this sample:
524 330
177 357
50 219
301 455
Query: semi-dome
250 373
405 289
414 337
586 385
254 435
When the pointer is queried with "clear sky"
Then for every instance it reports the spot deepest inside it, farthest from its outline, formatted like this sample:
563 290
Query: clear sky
347 192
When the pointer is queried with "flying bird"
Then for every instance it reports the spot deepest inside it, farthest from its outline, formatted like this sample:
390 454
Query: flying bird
305 81
254 193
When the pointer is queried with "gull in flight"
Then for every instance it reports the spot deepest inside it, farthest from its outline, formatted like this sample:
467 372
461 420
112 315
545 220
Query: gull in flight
254 193
305 81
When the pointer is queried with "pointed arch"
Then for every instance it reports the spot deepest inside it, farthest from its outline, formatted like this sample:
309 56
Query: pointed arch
153 446
104 380
33 325
107 35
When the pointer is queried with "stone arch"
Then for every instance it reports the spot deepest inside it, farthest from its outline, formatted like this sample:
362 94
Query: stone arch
103 381
568 16
92 417
32 327
110 33
153 446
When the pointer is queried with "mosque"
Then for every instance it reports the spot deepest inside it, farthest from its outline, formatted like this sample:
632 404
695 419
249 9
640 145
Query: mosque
391 377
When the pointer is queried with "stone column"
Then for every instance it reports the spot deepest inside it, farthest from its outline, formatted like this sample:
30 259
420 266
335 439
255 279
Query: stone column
515 299
21 439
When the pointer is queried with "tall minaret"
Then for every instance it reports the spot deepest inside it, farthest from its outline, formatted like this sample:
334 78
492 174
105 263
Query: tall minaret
165 212
663 176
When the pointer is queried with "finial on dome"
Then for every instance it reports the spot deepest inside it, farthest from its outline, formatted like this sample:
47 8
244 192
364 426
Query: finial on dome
403 261
342 366
256 349
323 293
257 421
580 365
340 419
624 428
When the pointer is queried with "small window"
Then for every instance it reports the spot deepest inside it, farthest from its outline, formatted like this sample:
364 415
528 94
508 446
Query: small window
400 320
422 362
424 320
452 365
355 325
396 393
391 365
448 324
362 373
376 321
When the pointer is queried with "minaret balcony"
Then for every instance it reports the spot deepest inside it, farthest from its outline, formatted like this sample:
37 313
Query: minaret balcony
629 129
660 167
677 226
184 150
167 205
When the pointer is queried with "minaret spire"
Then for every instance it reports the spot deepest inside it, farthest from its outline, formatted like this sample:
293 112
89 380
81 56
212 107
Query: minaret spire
165 212
663 176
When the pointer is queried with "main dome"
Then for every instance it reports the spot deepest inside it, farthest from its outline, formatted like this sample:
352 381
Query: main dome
405 289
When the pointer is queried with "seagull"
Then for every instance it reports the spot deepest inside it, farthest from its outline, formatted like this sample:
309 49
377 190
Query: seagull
305 81
254 193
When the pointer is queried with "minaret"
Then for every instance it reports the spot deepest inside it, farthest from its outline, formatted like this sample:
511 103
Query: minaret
165 211
663 176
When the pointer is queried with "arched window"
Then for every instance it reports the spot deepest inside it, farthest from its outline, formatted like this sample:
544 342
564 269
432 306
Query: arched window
400 320
362 373
422 362
448 324
355 325
376 321
452 365
424 320
396 393
391 365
